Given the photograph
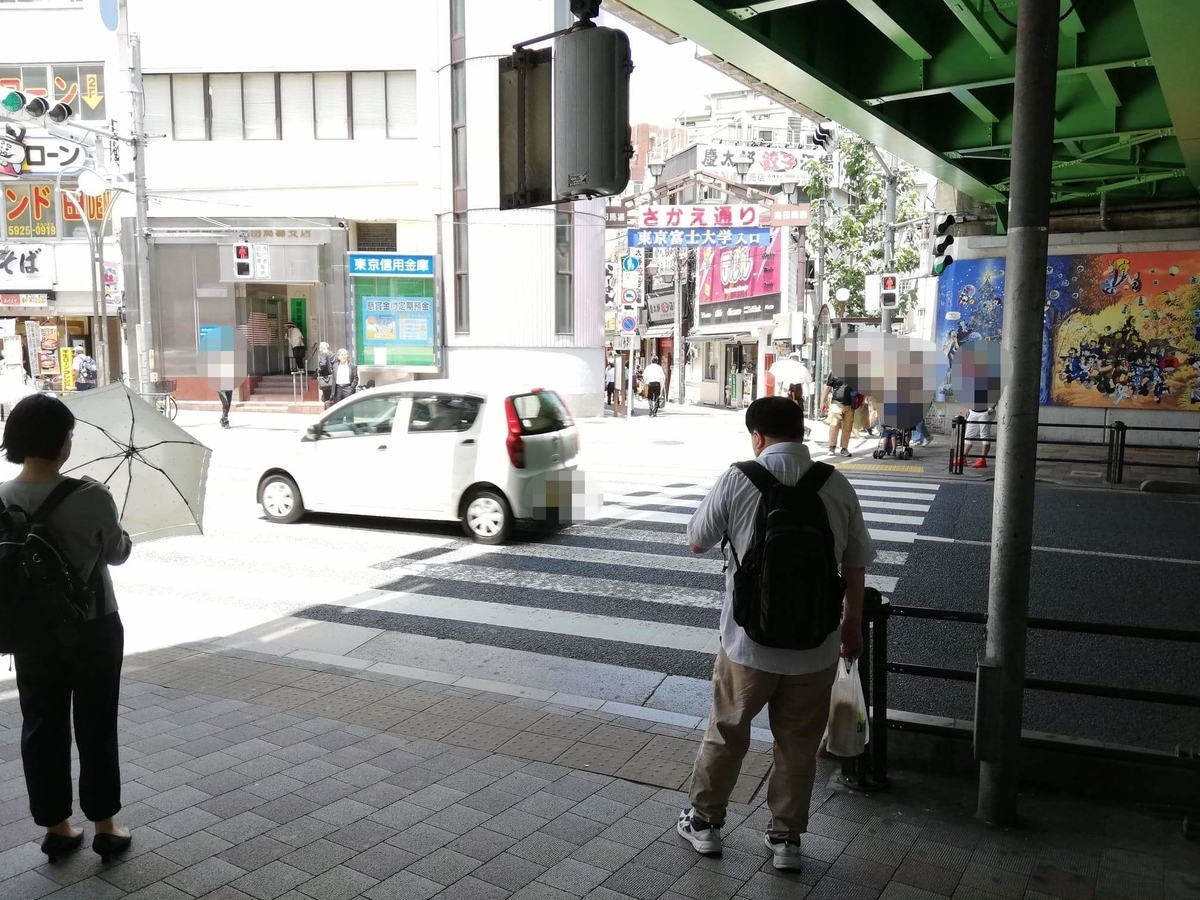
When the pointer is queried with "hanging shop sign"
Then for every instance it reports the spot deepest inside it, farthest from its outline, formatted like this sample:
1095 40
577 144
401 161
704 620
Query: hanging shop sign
768 165
26 267
699 237
706 215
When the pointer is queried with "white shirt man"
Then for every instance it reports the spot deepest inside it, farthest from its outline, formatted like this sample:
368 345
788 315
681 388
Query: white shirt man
748 675
654 374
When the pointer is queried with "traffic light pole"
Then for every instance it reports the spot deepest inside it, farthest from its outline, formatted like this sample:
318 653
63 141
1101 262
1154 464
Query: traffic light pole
890 181
145 335
677 353
1001 674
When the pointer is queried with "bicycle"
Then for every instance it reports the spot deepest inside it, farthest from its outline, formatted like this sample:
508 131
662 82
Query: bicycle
164 402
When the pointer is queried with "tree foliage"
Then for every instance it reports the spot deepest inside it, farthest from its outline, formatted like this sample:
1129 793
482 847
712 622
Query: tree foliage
854 232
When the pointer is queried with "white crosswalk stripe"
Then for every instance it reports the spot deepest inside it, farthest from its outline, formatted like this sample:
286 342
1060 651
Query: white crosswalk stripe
622 589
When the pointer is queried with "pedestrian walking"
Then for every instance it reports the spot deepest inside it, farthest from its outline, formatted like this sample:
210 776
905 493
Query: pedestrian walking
325 364
610 382
838 403
654 377
78 670
226 398
85 370
345 377
788 614
979 428
792 379
296 342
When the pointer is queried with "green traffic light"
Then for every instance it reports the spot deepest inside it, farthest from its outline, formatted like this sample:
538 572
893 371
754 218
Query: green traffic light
13 102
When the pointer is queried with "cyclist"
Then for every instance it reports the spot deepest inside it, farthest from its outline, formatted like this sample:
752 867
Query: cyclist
654 376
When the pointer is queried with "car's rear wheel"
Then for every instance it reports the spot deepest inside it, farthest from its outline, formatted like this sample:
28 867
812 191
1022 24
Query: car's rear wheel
281 500
487 517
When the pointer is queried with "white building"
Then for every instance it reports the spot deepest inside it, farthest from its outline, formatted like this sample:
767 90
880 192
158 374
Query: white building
313 136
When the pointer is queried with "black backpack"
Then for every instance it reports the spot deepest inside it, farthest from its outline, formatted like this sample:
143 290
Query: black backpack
41 598
787 591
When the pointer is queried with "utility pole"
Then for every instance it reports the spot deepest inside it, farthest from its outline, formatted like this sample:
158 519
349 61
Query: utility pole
145 338
677 375
890 180
821 255
1001 674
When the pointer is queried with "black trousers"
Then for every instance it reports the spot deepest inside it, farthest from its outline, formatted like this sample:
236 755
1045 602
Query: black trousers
88 678
341 392
298 357
226 400
610 389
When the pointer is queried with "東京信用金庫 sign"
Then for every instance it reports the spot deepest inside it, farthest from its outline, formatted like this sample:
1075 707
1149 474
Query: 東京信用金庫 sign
395 310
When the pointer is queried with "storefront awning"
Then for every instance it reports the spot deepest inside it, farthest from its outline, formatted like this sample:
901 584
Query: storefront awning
659 331
717 334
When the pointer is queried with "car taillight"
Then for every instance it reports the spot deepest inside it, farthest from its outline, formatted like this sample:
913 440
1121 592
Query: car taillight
513 443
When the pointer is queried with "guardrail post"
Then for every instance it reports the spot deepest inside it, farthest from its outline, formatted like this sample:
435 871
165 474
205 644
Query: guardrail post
1119 429
879 701
859 772
958 445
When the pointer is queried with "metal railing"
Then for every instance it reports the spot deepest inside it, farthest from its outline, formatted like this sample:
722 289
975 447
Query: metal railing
869 771
1113 444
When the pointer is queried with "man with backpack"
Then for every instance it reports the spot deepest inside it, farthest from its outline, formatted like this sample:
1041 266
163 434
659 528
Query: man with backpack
798 553
839 401
85 370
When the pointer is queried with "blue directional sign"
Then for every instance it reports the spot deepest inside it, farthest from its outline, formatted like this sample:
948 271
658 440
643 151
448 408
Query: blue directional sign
630 263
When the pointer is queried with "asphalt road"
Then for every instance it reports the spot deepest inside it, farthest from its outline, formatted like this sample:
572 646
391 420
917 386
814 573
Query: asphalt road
1138 564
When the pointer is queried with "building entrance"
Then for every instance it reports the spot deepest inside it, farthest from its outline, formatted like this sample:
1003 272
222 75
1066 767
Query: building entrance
262 313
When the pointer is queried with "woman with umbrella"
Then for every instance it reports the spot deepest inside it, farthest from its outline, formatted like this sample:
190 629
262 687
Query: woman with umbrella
86 675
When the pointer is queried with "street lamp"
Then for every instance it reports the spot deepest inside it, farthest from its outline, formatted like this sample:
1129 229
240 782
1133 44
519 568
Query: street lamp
656 167
742 164
92 183
788 189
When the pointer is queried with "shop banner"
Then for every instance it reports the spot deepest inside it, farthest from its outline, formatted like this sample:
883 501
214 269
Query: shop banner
26 267
699 237
395 312
736 273
768 165
706 215
40 301
46 350
33 339
66 359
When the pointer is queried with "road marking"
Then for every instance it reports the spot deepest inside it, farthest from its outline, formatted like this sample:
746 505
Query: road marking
887 504
611 511
1134 556
883 583
895 537
897 495
903 485
888 519
554 621
882 467
890 558
620 558
662 500
567 584
619 533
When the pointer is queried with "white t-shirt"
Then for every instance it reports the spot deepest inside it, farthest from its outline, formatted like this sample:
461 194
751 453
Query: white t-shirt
295 338
341 373
610 375
654 373
731 507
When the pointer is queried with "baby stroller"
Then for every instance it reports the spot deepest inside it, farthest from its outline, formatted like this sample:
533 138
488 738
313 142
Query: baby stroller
894 442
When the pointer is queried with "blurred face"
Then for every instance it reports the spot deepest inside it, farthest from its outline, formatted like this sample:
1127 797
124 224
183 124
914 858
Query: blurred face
757 442
343 356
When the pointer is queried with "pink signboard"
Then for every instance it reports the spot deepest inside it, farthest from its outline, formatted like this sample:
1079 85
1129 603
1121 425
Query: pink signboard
735 273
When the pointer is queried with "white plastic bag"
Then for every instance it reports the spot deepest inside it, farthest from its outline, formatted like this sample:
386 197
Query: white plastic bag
848 730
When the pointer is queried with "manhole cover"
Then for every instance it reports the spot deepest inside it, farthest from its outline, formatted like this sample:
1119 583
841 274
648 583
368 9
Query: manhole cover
669 443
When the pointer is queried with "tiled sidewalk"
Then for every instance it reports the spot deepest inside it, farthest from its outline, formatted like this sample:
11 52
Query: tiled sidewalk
251 778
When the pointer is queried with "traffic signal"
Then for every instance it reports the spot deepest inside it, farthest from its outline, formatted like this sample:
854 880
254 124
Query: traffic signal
825 135
35 107
889 292
242 266
939 254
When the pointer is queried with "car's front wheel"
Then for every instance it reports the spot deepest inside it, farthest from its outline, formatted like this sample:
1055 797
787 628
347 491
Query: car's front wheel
487 517
281 501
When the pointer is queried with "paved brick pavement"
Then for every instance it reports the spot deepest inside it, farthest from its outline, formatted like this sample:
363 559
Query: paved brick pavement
246 777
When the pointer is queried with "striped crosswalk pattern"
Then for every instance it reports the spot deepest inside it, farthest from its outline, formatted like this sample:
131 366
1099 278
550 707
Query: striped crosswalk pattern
623 589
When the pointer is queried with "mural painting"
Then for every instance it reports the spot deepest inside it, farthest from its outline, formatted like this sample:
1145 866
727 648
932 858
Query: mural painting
1121 329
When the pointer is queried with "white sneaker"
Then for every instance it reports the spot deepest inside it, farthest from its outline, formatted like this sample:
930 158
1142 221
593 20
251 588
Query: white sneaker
786 854
706 840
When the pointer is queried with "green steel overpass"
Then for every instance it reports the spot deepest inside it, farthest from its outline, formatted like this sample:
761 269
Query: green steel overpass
931 81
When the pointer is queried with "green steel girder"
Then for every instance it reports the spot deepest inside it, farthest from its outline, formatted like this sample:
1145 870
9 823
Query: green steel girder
931 81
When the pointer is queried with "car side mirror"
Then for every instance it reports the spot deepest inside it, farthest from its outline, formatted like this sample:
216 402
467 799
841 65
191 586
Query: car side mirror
313 432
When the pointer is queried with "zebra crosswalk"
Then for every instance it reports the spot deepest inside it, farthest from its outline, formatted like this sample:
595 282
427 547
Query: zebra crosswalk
622 590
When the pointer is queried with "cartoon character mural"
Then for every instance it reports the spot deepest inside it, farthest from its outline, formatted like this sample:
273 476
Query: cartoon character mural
12 151
1119 329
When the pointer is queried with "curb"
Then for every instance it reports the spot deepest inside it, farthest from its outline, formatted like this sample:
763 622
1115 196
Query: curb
1170 487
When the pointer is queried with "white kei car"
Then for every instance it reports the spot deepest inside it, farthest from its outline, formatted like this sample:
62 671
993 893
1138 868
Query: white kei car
433 450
